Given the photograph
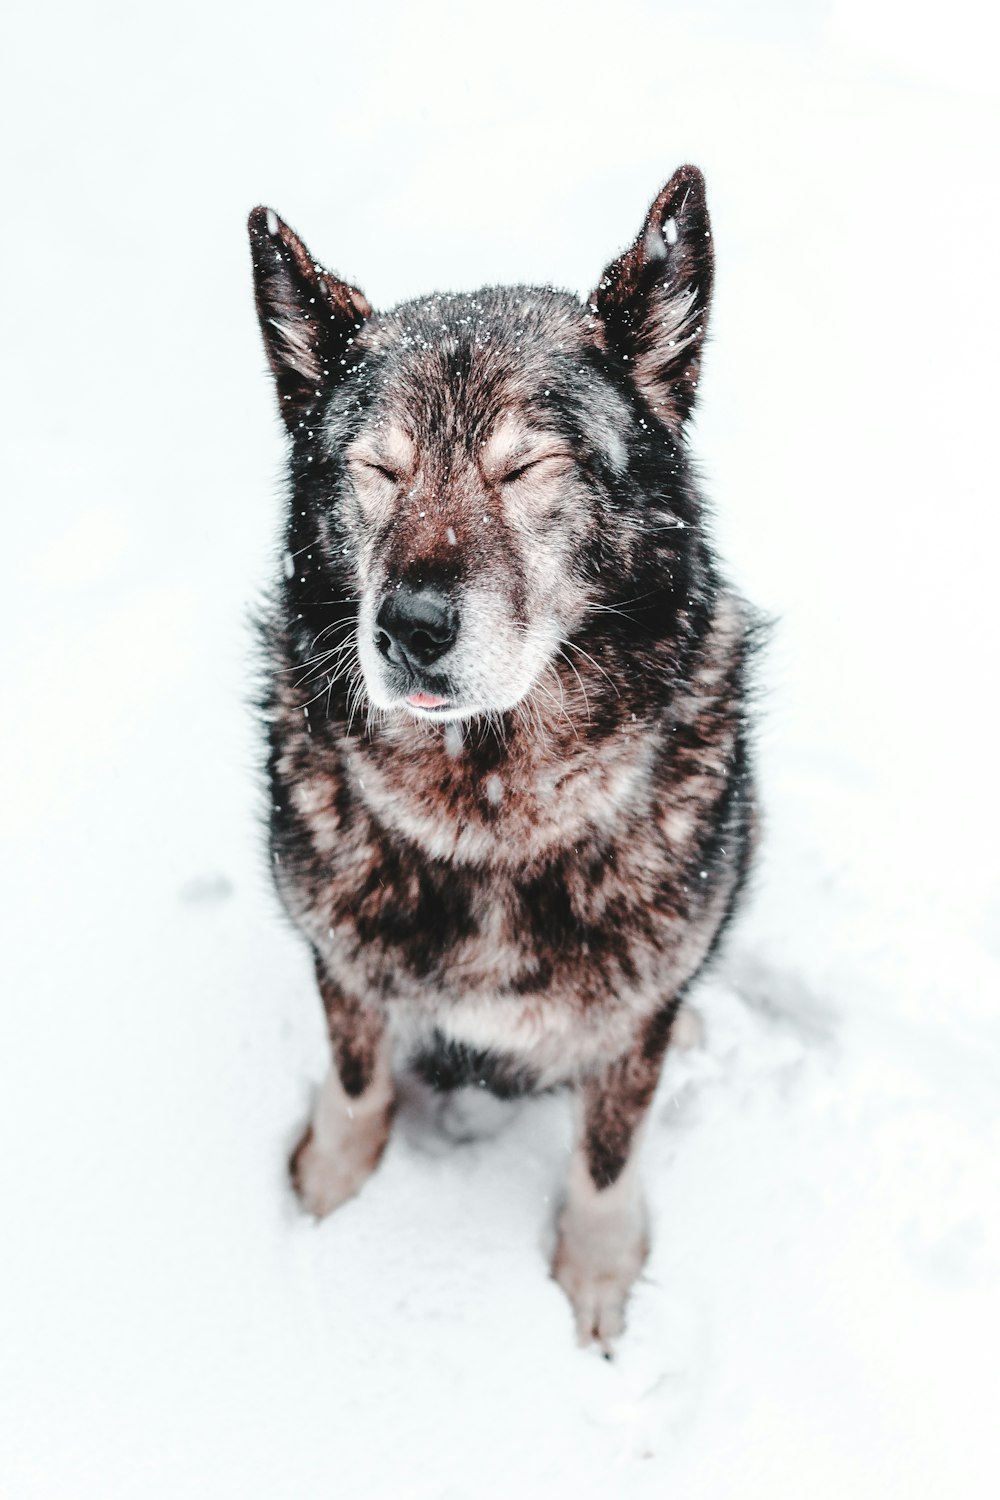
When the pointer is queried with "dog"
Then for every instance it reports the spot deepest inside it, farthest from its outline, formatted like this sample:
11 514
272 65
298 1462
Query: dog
507 704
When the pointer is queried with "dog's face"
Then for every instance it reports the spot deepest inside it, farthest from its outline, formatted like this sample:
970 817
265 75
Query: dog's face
463 463
472 495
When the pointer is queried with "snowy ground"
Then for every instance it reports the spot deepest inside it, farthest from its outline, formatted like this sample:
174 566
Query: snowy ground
822 1307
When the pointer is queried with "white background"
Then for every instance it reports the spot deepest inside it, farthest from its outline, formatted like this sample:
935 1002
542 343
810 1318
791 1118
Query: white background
822 1306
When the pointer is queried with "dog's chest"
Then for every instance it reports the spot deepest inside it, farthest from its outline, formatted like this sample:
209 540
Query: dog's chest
532 883
548 963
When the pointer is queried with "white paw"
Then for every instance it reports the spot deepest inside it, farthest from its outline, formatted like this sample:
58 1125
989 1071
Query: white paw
596 1266
342 1146
325 1176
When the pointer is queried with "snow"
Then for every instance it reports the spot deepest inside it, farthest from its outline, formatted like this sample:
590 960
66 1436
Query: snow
822 1304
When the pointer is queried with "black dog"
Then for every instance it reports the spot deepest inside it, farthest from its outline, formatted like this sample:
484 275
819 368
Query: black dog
507 705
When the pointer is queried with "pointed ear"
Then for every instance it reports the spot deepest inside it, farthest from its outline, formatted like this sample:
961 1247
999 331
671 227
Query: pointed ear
307 315
653 300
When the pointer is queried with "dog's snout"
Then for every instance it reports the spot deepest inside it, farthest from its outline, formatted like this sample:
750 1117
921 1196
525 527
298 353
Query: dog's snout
416 625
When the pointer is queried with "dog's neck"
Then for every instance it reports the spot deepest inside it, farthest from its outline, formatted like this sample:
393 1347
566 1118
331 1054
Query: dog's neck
502 794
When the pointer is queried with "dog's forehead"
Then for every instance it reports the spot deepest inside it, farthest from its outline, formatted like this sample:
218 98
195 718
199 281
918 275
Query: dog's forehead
509 316
476 367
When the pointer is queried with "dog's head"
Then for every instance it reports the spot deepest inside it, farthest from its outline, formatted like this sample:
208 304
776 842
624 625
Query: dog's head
478 477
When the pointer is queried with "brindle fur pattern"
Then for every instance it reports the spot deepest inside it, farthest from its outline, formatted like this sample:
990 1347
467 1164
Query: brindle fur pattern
518 894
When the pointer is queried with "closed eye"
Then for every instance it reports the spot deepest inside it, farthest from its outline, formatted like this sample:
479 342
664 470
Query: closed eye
534 463
389 474
516 474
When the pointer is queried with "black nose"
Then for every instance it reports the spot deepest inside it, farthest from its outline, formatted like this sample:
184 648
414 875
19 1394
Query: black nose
416 626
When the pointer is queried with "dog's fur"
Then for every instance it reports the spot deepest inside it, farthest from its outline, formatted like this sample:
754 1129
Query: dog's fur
512 880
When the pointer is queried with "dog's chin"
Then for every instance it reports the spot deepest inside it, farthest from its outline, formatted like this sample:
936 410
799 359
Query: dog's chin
446 713
451 711
431 707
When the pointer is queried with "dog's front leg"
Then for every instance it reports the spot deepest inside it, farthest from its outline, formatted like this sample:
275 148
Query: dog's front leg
350 1124
603 1237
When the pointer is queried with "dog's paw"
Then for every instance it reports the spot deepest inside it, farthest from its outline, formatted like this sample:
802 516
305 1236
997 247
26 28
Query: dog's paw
325 1174
597 1269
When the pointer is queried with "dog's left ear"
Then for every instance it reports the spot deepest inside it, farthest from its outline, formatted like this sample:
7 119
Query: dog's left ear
307 315
653 301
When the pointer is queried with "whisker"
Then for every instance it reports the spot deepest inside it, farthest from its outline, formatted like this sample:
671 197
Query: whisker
574 647
354 699
335 625
318 663
312 700
562 700
309 661
579 679
342 650
615 608
324 602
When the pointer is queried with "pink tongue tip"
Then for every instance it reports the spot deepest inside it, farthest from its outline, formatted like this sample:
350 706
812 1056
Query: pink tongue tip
426 700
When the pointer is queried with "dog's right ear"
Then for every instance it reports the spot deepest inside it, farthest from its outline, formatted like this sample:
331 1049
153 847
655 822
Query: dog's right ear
307 315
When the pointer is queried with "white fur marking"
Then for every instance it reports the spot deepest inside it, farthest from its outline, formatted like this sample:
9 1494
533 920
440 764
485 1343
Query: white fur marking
299 352
453 738
653 247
